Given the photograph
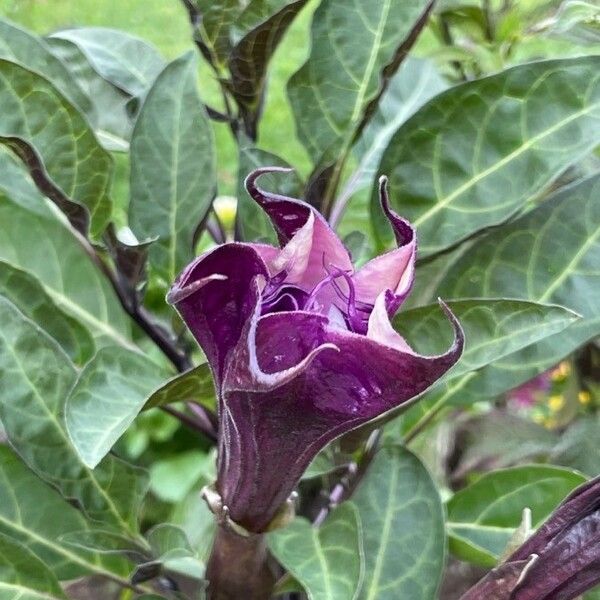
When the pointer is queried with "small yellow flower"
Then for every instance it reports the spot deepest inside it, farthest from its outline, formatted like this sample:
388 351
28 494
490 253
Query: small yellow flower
584 397
550 423
538 418
556 403
562 371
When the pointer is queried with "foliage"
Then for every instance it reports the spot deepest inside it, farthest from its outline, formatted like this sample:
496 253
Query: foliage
120 162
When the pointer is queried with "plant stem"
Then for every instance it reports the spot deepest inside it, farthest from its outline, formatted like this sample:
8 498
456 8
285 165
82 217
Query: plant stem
203 426
424 421
138 313
238 567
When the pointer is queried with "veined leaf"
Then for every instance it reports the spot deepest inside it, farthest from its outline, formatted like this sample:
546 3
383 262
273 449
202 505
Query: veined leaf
493 328
108 111
483 516
475 154
251 222
403 528
215 19
355 50
326 560
195 385
416 81
37 517
21 46
173 176
37 377
250 56
128 62
27 293
44 247
57 145
18 187
109 393
551 254
23 576
352 47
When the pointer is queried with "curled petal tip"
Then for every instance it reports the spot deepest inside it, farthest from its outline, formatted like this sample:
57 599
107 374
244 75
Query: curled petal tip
383 194
459 334
403 230
250 181
177 294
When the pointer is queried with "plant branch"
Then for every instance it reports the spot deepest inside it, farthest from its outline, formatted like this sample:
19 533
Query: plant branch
195 18
424 421
138 313
352 476
201 424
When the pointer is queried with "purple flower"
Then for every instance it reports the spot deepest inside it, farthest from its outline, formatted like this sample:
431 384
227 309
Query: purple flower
301 347
559 562
527 394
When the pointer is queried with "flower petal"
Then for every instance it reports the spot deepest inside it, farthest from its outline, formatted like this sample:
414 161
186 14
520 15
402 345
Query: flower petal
273 435
215 298
394 270
381 330
317 246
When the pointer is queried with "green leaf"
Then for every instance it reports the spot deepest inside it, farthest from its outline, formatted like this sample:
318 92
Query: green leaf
38 518
169 541
173 177
485 442
41 245
195 385
216 18
105 542
403 528
549 255
321 464
57 145
252 224
23 576
128 62
16 184
174 477
172 552
579 447
416 81
493 328
483 516
476 154
108 112
352 46
109 393
249 58
326 560
27 293
21 46
37 377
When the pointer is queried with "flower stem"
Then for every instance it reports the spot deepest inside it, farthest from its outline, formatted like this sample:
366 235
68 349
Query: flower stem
238 567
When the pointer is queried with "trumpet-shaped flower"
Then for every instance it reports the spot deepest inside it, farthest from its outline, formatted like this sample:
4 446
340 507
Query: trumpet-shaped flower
301 347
